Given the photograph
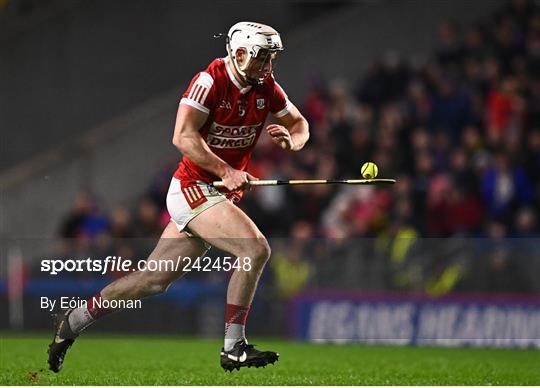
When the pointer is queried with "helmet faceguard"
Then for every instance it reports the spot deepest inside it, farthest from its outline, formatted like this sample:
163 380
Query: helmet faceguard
261 44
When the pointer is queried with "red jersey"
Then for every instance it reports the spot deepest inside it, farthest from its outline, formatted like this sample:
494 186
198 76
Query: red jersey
236 116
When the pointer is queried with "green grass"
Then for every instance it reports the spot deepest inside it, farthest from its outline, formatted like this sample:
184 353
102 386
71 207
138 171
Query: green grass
175 361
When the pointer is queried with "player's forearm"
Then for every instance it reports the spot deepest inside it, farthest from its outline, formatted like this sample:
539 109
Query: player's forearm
196 150
299 134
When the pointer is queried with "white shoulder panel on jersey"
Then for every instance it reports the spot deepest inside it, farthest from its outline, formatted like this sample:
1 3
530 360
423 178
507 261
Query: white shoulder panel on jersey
284 111
199 91
195 105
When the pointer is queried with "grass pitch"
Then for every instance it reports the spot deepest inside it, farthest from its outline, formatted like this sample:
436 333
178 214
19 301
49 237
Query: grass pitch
175 361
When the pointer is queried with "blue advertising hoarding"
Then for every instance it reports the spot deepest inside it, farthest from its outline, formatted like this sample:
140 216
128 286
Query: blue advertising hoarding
456 320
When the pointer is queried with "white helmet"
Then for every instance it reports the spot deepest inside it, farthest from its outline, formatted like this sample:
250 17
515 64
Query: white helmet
257 39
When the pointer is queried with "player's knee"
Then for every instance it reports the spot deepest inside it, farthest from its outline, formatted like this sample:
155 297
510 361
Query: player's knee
159 287
261 251
156 282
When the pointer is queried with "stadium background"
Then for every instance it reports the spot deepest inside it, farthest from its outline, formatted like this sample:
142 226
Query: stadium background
443 96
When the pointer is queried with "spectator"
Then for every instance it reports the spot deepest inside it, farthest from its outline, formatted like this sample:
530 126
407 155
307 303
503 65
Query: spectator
290 267
71 226
147 223
505 187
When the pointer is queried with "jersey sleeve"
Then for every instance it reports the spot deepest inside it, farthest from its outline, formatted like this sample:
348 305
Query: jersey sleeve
279 103
201 93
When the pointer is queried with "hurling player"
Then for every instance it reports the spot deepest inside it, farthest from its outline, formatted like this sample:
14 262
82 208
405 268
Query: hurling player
220 118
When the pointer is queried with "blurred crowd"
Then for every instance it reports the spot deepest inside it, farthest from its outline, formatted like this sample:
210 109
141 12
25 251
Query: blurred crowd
459 131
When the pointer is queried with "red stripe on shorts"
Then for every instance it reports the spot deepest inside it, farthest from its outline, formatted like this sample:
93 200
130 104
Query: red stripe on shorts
194 196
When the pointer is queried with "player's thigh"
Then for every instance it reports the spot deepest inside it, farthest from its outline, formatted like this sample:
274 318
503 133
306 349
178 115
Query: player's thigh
172 247
227 227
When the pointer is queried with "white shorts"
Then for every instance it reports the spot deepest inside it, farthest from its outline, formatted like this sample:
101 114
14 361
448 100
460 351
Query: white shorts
184 203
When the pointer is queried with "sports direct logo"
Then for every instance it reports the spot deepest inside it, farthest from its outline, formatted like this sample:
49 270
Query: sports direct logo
224 136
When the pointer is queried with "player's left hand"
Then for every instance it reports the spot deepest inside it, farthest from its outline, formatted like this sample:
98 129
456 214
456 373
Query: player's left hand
280 136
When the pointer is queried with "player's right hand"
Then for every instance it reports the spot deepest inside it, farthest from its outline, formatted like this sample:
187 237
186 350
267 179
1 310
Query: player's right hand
237 180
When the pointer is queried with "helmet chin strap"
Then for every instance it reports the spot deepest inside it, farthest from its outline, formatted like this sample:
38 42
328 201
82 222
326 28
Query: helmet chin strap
242 72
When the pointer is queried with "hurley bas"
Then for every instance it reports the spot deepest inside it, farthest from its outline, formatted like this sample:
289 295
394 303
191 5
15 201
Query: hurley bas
71 303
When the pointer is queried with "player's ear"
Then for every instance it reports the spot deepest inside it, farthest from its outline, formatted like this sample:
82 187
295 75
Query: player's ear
241 55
